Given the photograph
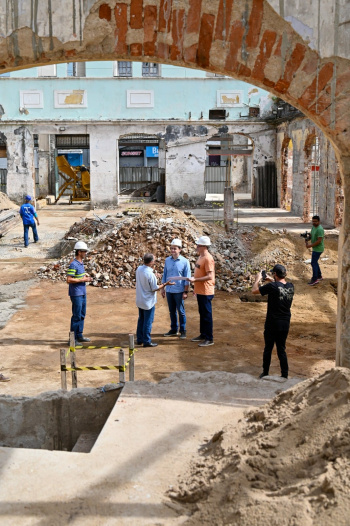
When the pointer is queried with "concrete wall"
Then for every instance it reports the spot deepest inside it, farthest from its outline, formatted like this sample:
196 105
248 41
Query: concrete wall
20 162
54 420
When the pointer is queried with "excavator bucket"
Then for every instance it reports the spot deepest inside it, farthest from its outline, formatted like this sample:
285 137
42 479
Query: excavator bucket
76 178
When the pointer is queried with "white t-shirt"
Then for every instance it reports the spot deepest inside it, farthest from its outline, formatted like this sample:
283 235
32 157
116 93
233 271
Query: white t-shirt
146 282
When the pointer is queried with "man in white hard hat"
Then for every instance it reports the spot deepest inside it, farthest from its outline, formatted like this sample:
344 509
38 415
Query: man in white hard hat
76 278
204 282
176 266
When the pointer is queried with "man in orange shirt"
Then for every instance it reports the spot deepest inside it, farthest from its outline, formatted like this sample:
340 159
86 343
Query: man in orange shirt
204 282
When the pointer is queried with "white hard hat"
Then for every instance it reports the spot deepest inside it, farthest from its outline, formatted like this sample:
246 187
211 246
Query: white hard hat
203 240
80 245
176 242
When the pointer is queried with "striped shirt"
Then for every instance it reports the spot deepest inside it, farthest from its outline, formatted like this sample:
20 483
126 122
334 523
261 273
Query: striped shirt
76 270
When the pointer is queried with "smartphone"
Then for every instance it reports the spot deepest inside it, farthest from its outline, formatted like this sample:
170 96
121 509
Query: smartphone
263 274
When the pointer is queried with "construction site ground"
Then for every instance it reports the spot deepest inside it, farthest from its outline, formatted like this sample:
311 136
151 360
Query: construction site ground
153 431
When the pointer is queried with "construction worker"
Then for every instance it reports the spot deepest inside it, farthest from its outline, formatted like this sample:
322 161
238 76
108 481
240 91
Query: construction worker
77 279
29 216
204 282
176 266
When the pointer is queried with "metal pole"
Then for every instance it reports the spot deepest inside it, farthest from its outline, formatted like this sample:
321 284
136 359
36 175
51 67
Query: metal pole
72 359
132 358
63 373
122 364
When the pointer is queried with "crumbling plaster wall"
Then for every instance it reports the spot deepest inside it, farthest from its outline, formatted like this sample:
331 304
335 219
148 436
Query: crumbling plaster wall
300 131
20 161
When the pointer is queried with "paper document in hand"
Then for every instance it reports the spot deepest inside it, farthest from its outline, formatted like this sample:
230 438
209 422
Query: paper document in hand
178 278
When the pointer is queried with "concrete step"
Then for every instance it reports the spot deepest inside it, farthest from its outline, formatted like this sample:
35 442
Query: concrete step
85 443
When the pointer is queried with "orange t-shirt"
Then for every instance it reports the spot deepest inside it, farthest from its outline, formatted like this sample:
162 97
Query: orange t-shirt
204 265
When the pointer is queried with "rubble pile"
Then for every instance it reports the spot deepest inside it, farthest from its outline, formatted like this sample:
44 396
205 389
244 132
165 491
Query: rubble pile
119 247
88 227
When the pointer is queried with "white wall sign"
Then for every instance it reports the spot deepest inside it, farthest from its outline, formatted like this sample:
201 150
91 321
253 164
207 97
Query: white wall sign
229 98
139 99
76 98
31 99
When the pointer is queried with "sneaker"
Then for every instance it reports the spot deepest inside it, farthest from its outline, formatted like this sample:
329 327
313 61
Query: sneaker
313 282
170 333
4 378
139 343
206 343
320 279
83 339
284 376
183 335
263 374
198 339
150 344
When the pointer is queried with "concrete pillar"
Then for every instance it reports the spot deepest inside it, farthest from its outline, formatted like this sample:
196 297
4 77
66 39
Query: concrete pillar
103 166
229 208
343 317
20 164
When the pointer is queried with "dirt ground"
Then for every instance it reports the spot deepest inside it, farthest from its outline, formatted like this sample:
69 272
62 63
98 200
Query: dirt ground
31 340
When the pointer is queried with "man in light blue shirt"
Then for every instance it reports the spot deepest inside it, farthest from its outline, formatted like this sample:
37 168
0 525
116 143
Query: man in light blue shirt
176 266
146 299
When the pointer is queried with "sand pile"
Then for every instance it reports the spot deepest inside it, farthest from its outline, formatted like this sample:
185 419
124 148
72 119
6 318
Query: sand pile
287 465
6 203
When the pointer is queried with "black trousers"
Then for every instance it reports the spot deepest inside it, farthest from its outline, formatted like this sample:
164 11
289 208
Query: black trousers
274 336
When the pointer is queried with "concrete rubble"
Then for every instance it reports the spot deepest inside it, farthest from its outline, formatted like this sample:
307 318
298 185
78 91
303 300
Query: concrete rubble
117 249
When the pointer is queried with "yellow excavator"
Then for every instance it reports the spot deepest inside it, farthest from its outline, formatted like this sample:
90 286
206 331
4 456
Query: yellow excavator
77 178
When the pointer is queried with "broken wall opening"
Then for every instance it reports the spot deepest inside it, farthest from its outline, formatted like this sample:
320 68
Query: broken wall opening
287 175
56 420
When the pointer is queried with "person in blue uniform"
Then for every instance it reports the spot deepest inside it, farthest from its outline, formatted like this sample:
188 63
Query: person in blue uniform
29 216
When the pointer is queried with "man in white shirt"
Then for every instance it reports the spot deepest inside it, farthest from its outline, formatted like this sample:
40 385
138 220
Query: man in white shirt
146 299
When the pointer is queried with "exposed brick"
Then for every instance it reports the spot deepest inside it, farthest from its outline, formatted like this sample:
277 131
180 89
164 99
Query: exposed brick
121 27
244 70
162 50
221 17
278 48
136 9
70 52
266 46
205 40
343 82
165 15
255 22
194 16
150 26
190 53
136 49
105 12
268 83
177 32
236 35
324 76
310 66
291 67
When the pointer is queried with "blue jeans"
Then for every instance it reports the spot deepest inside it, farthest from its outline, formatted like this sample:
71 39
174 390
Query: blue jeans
144 325
35 233
205 316
316 271
78 315
176 303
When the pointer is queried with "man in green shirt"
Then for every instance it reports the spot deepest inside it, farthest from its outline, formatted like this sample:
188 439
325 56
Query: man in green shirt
317 244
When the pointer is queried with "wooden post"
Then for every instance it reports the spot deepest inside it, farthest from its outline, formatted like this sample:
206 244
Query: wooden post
229 208
72 360
122 363
132 359
63 373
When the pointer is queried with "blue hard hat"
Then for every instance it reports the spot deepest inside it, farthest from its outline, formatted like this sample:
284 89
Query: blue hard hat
28 198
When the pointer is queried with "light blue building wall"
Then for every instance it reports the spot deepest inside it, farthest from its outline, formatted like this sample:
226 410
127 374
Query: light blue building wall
178 93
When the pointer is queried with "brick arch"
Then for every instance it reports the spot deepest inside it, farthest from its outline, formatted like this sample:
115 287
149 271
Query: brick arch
246 40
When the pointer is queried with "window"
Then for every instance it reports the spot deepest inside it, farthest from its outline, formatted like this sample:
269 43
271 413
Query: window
47 71
76 69
217 75
150 69
122 69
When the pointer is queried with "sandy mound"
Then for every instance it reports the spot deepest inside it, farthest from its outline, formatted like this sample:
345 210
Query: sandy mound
6 203
287 465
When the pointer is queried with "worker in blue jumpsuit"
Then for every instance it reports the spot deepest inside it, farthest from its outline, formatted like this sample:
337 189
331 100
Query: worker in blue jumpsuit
29 216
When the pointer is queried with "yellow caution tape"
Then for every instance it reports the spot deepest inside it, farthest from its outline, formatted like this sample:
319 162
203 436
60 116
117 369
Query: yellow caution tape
121 368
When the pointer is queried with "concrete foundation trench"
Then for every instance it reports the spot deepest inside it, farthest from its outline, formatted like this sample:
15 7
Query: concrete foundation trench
57 420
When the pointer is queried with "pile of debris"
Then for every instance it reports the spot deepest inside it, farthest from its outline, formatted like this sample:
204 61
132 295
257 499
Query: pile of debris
90 226
8 214
115 255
